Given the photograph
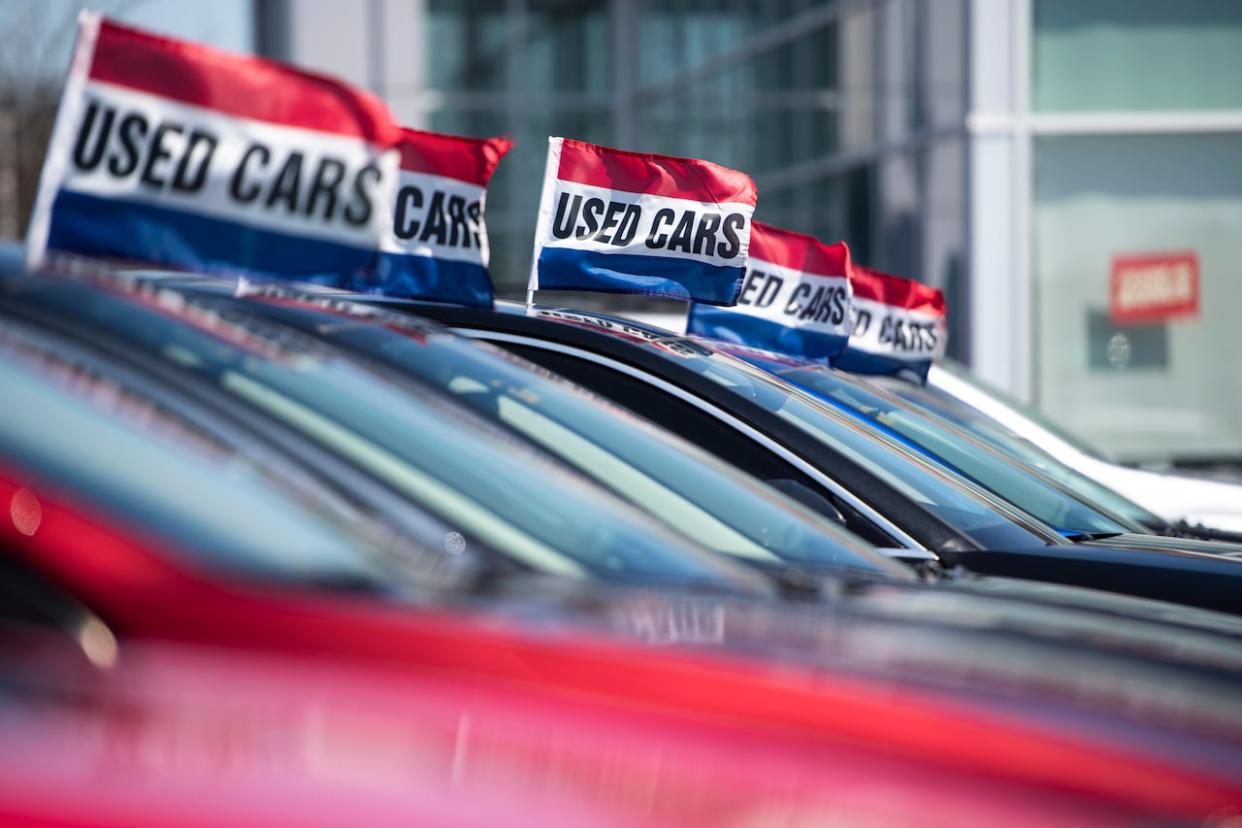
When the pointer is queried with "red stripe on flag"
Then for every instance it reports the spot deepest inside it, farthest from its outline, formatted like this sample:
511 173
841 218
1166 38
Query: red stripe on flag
896 291
662 175
472 160
798 251
247 87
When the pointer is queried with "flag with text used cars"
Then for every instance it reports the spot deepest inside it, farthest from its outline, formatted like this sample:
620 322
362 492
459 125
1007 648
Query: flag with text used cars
179 155
898 325
440 238
795 298
626 222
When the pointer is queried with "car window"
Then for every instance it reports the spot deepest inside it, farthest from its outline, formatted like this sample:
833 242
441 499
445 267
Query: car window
963 374
957 505
993 472
482 481
919 483
415 546
997 435
709 433
691 491
221 513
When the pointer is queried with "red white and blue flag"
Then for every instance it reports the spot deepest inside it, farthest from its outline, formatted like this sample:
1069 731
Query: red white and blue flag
184 156
438 246
898 324
795 298
626 222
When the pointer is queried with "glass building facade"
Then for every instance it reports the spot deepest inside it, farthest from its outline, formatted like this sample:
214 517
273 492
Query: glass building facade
788 90
849 115
1005 151
1136 147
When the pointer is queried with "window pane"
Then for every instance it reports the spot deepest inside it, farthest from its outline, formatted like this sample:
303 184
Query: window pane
1137 54
466 51
1145 392
567 47
676 37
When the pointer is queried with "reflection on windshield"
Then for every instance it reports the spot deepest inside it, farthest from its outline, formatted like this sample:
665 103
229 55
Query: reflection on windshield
880 456
964 374
506 496
998 436
688 489
409 545
1025 491
222 512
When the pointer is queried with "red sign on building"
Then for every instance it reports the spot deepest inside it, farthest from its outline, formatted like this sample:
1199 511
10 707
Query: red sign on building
1154 287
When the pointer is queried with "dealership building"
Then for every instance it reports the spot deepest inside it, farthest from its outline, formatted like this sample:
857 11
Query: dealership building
1069 172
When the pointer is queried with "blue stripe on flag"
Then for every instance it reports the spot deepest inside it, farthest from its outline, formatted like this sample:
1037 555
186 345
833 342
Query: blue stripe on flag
564 268
730 326
426 277
856 361
120 228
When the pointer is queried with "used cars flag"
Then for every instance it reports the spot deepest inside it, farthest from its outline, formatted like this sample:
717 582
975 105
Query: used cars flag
795 298
627 222
438 246
180 155
898 325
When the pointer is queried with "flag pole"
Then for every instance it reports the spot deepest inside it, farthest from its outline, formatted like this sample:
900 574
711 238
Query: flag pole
543 220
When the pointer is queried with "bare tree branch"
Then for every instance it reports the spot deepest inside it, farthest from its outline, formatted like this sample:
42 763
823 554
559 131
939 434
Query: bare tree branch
38 37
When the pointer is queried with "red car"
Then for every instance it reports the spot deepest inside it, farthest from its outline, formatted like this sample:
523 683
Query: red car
569 727
193 736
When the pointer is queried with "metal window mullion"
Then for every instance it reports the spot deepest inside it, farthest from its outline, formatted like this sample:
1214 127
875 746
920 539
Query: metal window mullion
1024 331
1140 123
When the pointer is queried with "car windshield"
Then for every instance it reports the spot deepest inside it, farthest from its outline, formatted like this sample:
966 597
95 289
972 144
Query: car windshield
1027 412
685 487
413 544
222 513
998 436
484 482
990 470
936 490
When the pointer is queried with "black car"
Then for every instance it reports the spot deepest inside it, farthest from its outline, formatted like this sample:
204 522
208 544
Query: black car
882 490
